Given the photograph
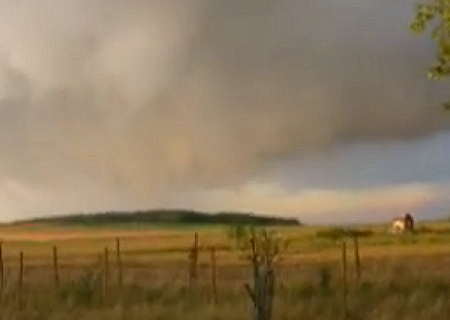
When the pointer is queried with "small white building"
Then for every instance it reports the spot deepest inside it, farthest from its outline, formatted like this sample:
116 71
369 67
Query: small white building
403 224
398 225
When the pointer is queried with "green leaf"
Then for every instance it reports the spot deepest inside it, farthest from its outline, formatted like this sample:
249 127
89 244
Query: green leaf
417 27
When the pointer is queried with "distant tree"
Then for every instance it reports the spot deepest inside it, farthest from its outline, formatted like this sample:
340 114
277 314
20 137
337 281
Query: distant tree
167 217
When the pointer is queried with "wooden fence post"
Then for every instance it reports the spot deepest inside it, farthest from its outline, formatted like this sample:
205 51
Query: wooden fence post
196 240
119 265
357 262
344 277
2 277
20 278
105 274
214 275
195 255
55 266
193 258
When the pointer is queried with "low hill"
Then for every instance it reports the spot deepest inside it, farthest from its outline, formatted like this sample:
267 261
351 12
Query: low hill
164 217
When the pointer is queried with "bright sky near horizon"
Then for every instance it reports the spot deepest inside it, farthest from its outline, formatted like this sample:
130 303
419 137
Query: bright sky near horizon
318 110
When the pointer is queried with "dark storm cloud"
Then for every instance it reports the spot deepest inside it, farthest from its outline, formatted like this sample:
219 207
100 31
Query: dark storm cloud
159 95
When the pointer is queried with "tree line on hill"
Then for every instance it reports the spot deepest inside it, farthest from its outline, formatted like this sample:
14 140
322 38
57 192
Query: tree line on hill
166 217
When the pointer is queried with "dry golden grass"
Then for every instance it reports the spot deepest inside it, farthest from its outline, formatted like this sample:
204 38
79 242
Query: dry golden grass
403 277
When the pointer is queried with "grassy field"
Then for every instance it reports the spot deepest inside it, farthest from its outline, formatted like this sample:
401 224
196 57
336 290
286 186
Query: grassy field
403 277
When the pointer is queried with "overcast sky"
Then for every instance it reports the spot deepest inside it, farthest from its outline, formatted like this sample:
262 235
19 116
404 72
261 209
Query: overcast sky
318 110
